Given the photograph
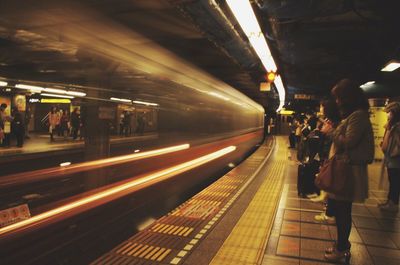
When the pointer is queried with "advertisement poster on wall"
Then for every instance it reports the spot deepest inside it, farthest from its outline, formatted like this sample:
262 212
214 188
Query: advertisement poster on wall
378 119
20 102
7 125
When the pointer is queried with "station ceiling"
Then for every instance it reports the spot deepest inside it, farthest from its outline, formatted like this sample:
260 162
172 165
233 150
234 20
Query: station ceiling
315 43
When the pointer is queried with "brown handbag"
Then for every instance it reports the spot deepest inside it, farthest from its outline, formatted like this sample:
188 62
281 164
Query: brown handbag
335 176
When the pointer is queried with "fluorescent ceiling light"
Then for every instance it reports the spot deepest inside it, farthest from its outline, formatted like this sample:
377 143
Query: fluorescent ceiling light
29 87
368 84
76 93
121 99
391 67
244 14
144 103
62 91
2 83
56 96
55 90
281 92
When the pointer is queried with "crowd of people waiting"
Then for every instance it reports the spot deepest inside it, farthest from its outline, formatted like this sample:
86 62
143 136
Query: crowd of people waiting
17 128
344 130
64 124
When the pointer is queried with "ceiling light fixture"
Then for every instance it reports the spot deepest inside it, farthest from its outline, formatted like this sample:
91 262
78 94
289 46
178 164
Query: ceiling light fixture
55 90
367 84
247 20
76 93
56 96
144 103
29 87
391 66
2 83
121 99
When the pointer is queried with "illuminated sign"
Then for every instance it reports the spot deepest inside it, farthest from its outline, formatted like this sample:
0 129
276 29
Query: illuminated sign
14 215
34 100
265 86
55 100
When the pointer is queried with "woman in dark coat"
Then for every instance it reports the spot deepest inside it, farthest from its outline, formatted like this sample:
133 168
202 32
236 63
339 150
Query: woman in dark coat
353 139
391 149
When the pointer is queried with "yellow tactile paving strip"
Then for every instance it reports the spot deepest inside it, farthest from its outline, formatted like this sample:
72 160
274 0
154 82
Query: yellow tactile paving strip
246 244
170 239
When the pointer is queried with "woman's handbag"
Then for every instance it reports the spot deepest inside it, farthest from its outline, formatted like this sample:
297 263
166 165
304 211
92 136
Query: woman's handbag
335 176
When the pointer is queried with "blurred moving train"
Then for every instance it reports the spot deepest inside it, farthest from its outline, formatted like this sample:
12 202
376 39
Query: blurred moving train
80 210
79 199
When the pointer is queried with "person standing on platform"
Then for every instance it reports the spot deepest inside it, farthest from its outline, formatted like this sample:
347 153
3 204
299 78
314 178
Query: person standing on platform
64 121
54 121
75 123
391 149
353 139
17 126
27 119
5 141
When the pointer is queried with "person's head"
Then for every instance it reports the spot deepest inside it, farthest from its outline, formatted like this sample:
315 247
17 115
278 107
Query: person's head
329 110
75 110
53 109
393 110
3 106
349 97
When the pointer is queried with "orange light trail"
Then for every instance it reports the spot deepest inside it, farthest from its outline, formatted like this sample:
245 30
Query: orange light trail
23 178
114 192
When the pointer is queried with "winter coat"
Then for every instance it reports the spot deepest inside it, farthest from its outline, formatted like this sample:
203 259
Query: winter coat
391 146
354 139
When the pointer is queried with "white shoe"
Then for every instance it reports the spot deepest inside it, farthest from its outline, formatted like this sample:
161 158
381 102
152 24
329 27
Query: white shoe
318 199
313 195
323 218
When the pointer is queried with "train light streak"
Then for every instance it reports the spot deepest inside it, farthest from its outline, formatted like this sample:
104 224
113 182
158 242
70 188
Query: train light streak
114 192
25 177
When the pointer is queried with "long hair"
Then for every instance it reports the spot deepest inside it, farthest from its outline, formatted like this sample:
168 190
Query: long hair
331 111
349 97
395 117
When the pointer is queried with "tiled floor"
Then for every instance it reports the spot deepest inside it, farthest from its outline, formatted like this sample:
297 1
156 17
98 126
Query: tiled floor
297 239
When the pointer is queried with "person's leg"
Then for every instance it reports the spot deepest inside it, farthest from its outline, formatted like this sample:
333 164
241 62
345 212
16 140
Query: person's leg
343 224
394 187
330 208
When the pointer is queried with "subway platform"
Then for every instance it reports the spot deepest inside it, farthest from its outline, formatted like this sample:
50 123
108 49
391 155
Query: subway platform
253 215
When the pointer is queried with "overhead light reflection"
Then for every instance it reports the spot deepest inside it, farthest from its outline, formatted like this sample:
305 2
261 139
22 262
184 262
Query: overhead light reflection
29 87
55 90
56 96
76 93
121 99
2 83
144 103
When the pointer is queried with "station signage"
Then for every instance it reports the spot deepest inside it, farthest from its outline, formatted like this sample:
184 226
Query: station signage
304 96
13 215
50 100
265 86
